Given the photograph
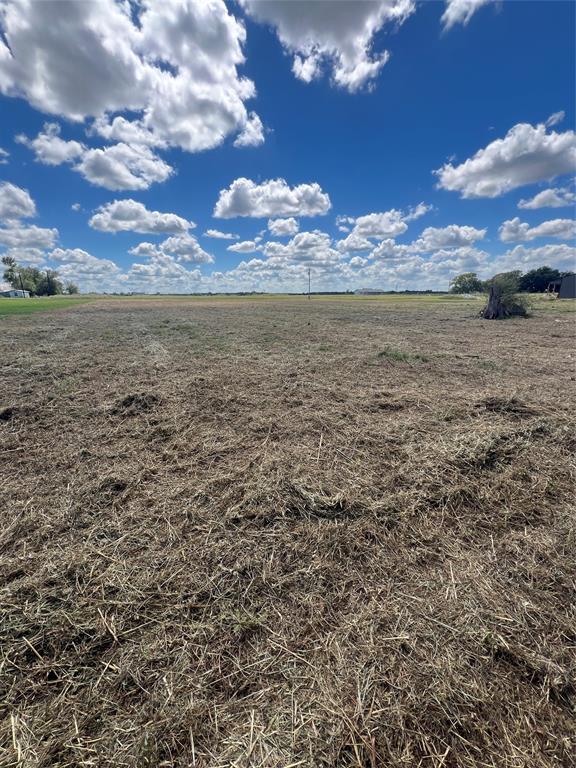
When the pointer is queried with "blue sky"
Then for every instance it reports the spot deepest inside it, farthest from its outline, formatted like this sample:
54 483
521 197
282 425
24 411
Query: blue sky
352 139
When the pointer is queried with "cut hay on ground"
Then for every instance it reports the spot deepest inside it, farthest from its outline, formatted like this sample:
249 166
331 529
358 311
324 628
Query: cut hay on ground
237 534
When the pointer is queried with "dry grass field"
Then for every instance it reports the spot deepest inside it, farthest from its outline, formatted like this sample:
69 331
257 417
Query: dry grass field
279 533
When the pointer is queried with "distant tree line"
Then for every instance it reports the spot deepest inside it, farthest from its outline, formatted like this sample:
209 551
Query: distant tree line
34 280
534 281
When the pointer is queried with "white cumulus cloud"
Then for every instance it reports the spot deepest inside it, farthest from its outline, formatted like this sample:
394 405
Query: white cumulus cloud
333 34
354 242
384 224
557 197
245 246
120 129
117 167
283 227
252 134
417 211
560 256
123 167
218 235
171 67
30 256
50 149
390 249
163 267
76 263
270 199
452 236
179 248
15 203
514 230
358 261
312 246
16 236
131 216
461 11
526 155
185 247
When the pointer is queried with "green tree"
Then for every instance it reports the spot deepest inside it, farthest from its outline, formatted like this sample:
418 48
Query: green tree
49 284
510 281
71 288
21 278
537 280
469 282
31 278
10 273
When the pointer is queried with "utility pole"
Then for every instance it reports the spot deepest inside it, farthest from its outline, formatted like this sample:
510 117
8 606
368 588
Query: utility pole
309 282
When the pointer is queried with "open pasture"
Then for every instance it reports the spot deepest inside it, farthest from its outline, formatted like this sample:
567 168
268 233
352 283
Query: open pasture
252 532
29 306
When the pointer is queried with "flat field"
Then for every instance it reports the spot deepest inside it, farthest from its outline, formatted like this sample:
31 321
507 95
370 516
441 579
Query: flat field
333 533
39 304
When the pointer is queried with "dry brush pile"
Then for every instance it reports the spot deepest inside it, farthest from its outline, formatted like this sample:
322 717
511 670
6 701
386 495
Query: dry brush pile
287 534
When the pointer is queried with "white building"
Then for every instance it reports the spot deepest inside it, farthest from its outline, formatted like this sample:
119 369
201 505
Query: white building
14 293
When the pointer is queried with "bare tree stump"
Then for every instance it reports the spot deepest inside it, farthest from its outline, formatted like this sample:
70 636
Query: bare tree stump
494 308
502 303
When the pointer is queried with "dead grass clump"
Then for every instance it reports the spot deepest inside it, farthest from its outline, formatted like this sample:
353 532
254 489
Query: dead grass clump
509 406
8 413
290 501
132 405
399 356
16 413
489 450
319 505
112 487
389 401
556 682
